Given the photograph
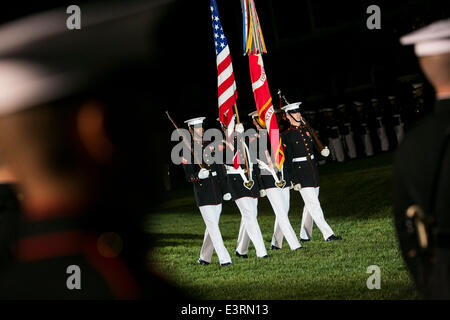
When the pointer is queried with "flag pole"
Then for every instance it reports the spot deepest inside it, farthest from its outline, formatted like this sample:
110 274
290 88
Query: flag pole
243 146
237 113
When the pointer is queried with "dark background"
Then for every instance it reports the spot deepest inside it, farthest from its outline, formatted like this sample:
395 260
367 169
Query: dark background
319 51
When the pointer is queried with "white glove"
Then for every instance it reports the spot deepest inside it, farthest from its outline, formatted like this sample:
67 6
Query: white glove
325 152
227 196
262 193
239 128
297 187
203 173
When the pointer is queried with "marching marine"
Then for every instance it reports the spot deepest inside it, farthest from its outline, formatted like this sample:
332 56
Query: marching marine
243 184
298 146
209 189
276 186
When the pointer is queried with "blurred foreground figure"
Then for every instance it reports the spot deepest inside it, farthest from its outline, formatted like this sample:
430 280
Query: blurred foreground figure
9 214
70 130
422 172
397 119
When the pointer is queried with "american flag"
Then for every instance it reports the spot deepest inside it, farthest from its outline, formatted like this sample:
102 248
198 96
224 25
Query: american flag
225 78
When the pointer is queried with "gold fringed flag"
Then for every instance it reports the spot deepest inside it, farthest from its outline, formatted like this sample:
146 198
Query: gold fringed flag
253 37
254 46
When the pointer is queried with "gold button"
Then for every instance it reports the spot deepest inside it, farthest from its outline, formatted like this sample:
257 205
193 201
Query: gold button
200 184
296 142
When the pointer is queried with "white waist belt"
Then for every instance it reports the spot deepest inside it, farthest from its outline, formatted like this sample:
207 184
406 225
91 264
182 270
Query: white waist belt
302 159
232 170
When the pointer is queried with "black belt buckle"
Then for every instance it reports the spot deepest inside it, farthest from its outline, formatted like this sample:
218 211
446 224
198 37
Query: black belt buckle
308 157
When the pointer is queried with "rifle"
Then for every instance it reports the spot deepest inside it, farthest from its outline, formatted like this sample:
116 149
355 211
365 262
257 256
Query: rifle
188 146
248 184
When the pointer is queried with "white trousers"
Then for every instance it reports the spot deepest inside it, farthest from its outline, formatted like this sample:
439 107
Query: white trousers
279 199
213 238
399 132
350 142
312 212
368 148
337 151
383 138
249 228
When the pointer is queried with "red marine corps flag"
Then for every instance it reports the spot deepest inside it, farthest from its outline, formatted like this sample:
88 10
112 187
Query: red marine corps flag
254 46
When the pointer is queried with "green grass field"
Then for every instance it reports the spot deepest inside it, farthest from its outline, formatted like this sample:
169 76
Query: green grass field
356 197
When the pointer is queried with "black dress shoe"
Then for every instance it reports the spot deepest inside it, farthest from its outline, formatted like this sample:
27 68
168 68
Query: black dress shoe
243 256
304 240
202 262
272 247
299 248
265 257
225 264
333 238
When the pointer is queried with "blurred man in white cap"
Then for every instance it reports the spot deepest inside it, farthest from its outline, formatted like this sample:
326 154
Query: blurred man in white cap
298 147
422 172
78 154
210 188
275 184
